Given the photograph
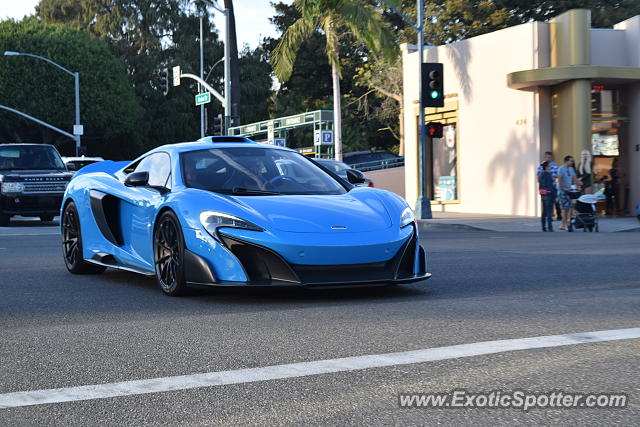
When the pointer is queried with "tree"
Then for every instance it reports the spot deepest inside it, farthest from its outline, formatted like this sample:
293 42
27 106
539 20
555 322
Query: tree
108 107
147 36
333 18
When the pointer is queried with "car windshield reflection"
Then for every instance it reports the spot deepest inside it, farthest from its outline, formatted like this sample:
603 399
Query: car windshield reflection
256 171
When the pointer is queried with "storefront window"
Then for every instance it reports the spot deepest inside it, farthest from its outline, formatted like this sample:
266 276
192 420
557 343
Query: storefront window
445 176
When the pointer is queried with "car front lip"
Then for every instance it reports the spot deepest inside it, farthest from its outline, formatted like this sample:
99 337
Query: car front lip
266 268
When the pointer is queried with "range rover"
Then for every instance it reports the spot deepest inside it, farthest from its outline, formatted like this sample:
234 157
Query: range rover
33 179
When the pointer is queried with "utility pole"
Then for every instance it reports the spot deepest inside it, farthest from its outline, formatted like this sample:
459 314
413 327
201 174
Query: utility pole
423 203
203 126
227 59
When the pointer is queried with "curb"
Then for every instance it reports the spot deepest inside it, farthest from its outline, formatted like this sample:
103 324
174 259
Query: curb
433 225
428 225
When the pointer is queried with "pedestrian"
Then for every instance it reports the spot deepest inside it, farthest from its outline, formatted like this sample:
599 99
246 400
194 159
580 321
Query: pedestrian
567 181
585 174
611 189
548 157
547 191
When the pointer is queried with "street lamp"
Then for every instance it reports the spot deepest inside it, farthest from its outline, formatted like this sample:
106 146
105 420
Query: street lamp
227 55
77 128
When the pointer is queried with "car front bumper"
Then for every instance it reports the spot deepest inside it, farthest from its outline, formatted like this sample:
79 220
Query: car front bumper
264 267
30 205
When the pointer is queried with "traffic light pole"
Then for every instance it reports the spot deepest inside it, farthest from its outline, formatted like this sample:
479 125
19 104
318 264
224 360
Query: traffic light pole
76 77
423 203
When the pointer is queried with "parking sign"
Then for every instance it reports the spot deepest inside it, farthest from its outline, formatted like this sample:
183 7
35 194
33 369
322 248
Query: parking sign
327 137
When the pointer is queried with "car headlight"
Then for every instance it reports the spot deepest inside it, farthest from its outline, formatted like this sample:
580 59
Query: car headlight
407 217
12 187
212 220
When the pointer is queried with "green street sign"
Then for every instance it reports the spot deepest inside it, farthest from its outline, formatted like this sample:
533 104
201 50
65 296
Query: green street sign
203 98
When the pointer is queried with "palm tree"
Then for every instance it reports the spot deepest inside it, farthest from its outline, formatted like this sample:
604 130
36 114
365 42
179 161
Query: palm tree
333 18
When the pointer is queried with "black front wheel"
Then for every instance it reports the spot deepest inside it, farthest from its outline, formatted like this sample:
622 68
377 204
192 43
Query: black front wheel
72 244
168 255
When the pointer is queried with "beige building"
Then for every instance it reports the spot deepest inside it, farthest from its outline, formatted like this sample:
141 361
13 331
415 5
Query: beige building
513 94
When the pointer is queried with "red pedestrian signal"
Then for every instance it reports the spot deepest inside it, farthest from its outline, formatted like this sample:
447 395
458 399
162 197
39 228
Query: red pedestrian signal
434 129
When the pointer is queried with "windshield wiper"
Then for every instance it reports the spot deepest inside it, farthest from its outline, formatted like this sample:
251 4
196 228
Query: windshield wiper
246 192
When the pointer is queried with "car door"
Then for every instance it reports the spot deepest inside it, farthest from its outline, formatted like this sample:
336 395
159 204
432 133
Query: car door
141 204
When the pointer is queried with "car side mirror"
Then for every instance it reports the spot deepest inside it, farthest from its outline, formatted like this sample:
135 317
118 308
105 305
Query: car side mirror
71 167
137 179
355 176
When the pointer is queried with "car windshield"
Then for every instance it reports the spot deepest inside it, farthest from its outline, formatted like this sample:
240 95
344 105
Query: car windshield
255 171
26 157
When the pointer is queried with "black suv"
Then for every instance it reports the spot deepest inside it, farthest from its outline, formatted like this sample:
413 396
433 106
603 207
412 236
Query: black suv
33 179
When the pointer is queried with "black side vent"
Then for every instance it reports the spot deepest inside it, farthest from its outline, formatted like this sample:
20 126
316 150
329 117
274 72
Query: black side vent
106 211
261 264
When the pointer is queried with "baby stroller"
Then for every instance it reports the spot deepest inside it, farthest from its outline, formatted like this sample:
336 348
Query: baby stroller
585 214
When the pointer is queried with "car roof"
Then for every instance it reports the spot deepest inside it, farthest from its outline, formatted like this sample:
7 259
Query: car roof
13 144
183 147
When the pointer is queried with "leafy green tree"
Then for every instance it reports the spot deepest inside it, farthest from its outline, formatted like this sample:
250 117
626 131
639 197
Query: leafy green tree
148 36
108 106
333 18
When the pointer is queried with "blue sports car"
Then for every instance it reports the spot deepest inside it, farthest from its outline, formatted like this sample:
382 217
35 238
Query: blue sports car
226 211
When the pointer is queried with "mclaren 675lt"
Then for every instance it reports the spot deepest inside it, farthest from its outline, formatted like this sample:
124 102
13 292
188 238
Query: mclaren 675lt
226 211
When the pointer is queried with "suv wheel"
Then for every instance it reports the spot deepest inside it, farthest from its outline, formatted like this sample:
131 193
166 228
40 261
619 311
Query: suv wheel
4 220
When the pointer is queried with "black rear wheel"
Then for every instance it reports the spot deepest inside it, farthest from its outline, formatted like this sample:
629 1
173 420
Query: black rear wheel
168 255
4 220
72 244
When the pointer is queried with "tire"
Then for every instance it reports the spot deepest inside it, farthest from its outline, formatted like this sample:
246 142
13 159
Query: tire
72 244
570 228
4 220
46 218
168 255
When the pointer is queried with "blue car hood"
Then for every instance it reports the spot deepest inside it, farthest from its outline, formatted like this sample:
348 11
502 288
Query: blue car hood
360 212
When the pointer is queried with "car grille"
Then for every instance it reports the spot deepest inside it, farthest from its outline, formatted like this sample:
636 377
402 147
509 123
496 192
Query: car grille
44 187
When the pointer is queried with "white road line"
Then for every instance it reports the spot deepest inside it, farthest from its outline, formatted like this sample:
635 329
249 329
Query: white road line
37 233
294 370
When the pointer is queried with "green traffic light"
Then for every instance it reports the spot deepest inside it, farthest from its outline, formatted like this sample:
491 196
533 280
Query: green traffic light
434 94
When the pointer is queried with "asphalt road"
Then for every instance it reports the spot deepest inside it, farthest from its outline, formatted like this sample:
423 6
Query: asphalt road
59 330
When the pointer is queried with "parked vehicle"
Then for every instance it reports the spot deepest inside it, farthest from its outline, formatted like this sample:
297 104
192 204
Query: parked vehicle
232 212
33 179
74 164
341 169
372 160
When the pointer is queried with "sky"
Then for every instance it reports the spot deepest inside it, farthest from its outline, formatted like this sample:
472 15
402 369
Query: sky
252 17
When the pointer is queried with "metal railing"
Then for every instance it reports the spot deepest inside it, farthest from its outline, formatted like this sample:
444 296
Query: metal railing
379 164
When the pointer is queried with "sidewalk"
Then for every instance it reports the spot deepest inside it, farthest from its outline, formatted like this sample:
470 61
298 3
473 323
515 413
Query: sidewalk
450 221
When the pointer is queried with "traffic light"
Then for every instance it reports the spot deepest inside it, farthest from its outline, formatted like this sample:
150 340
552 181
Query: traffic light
217 125
432 85
164 81
82 150
434 129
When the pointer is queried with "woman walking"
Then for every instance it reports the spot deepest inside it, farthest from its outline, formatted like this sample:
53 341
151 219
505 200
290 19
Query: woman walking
547 190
